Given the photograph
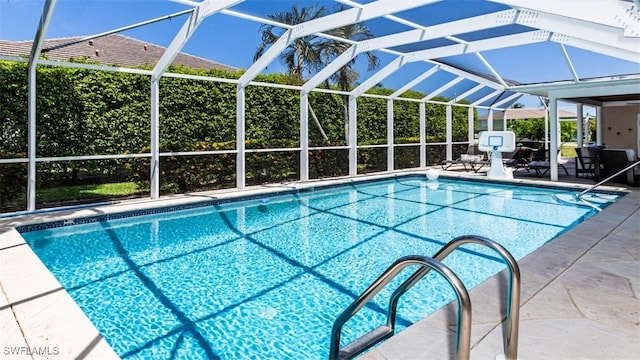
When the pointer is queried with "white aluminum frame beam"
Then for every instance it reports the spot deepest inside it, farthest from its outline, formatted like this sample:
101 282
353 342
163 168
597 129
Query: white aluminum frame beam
612 13
392 67
443 88
304 137
493 71
632 56
200 12
203 10
487 97
476 23
506 100
422 109
567 58
350 16
451 50
415 81
390 136
467 93
596 33
500 42
32 143
449 132
469 76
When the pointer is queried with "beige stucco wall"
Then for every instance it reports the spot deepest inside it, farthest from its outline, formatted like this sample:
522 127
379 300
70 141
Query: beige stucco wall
620 126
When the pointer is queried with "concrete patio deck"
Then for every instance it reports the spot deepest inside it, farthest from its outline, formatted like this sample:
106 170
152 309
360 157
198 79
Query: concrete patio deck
579 299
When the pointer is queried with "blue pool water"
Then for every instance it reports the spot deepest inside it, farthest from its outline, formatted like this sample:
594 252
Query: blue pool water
266 278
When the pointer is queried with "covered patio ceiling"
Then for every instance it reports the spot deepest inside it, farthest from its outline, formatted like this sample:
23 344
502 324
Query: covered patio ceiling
487 53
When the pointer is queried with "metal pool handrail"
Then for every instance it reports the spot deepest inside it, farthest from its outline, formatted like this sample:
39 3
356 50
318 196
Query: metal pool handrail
609 178
513 290
463 341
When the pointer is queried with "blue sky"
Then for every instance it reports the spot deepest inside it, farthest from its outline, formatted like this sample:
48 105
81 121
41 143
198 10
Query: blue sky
233 41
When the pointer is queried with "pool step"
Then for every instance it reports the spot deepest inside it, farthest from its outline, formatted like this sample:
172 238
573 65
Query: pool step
364 342
427 264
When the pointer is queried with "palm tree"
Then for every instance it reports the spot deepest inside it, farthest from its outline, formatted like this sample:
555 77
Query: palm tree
308 54
347 76
303 53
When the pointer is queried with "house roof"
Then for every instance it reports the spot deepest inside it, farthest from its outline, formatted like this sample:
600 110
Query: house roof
113 49
518 114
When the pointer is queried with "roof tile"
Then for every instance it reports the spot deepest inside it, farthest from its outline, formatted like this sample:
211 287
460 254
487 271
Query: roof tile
114 49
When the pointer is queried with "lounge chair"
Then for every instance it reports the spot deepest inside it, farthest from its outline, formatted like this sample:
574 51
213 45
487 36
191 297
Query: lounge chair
520 158
541 165
473 159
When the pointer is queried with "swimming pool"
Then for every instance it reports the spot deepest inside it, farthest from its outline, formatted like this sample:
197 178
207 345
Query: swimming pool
265 278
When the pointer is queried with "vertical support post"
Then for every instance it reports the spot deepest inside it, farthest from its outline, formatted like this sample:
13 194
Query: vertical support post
546 127
449 131
504 120
36 48
470 124
599 125
353 138
154 175
32 144
553 112
490 120
579 125
240 134
390 137
423 134
304 136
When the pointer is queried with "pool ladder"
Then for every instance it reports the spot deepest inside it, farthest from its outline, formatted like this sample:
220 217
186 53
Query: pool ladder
463 331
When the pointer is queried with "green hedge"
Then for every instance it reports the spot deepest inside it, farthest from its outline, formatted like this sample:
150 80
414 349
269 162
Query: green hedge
88 112
181 174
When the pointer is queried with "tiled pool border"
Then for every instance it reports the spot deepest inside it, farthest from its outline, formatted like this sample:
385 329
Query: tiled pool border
241 198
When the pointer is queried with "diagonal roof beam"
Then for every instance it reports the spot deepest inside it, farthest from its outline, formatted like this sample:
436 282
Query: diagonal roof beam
485 98
487 21
613 13
380 75
442 88
569 63
203 10
415 81
525 38
467 93
493 71
43 26
508 99
351 16
469 76
451 50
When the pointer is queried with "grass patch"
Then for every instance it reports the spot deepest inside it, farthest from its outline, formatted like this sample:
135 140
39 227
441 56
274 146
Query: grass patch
567 150
94 191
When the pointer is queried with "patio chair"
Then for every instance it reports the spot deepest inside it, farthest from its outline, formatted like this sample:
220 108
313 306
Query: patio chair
520 158
541 165
472 158
586 162
614 160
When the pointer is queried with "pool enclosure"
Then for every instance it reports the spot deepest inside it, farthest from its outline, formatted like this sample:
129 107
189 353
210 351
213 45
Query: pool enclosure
439 64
